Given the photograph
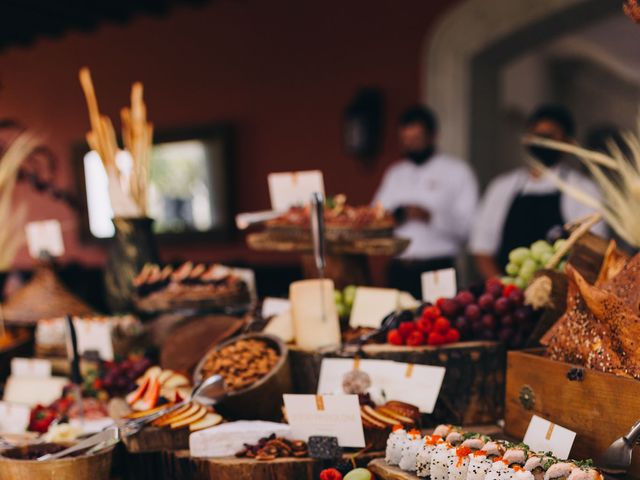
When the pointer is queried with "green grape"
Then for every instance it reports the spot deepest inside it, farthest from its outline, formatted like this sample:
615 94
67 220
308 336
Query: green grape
512 269
342 310
520 283
349 295
559 244
539 248
337 297
545 257
519 255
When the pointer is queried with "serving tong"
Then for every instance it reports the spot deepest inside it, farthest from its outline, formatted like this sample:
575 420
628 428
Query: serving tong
208 392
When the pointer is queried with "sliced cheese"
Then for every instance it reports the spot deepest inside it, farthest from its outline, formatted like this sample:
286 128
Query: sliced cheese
315 318
371 305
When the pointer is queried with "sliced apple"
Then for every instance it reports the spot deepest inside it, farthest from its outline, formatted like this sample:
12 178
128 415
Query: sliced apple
185 422
168 418
152 372
176 380
164 376
208 421
150 399
138 393
134 415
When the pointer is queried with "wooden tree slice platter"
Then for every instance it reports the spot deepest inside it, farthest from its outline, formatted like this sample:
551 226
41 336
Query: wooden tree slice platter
387 472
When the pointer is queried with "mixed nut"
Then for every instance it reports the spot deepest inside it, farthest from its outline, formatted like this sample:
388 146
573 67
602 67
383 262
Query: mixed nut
272 447
241 363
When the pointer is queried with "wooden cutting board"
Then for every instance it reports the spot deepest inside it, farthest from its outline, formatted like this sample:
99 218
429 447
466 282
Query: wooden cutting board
386 472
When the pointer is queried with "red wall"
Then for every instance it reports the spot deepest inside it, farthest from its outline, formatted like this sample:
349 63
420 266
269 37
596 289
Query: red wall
281 71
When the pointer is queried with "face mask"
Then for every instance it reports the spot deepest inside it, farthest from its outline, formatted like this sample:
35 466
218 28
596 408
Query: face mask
420 156
548 157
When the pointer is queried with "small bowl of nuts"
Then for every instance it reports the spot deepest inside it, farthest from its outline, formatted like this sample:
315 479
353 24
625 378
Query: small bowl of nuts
256 372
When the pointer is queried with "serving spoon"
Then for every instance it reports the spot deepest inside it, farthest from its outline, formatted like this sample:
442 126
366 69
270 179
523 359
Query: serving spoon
208 392
617 459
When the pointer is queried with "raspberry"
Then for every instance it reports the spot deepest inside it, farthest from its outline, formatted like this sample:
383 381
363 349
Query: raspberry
415 338
452 336
431 313
435 338
394 337
441 325
406 328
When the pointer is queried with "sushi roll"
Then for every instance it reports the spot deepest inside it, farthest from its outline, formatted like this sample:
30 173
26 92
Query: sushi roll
443 430
423 459
521 473
516 456
410 451
459 464
538 464
479 465
500 470
395 442
560 471
494 449
475 442
455 437
440 461
585 474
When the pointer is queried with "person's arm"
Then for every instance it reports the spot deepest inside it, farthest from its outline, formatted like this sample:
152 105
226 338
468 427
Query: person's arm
487 266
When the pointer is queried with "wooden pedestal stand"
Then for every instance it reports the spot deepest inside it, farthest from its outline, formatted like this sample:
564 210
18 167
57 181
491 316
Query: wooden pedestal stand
347 260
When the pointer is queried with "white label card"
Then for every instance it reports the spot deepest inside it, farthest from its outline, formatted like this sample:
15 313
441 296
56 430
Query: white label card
272 306
544 436
289 189
30 367
31 391
418 385
371 305
14 418
439 284
94 335
326 415
44 236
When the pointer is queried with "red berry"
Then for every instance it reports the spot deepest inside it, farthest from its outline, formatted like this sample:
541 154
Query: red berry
406 328
394 337
435 338
502 306
472 312
330 474
508 289
441 325
485 302
488 321
452 336
464 298
516 297
431 312
492 282
424 325
440 301
415 338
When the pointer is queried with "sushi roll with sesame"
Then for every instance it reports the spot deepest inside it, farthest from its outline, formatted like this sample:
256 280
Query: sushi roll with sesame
539 463
516 455
443 430
521 473
475 442
494 449
423 459
440 461
395 442
410 451
455 437
459 464
560 471
585 474
500 470
479 465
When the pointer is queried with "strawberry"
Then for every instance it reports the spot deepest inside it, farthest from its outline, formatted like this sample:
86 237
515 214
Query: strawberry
406 328
431 313
435 338
441 325
415 338
394 337
424 325
330 474
452 336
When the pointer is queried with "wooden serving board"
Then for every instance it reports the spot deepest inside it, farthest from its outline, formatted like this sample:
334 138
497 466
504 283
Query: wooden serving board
387 472
600 408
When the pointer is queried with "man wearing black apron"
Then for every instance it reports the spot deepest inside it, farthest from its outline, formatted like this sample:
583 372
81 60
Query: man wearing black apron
521 206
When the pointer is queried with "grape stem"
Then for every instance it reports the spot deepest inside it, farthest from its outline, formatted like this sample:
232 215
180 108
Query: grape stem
583 228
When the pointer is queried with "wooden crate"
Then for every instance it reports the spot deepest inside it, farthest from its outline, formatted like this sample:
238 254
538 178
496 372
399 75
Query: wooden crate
473 387
600 408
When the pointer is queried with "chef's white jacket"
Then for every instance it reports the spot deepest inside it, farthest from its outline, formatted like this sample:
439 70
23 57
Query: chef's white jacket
446 187
494 208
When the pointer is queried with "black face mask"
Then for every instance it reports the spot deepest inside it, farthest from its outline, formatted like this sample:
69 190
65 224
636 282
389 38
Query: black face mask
548 157
420 156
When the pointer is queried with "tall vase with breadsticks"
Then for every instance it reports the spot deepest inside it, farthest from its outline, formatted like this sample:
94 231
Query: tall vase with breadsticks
134 243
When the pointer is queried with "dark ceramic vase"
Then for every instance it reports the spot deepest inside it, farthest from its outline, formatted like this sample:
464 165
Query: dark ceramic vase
133 245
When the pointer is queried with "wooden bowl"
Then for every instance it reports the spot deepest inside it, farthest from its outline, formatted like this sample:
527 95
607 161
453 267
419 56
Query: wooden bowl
94 467
263 399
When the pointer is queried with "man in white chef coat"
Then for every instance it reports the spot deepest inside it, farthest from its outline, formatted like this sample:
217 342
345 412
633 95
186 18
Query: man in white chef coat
433 198
521 206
